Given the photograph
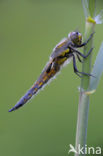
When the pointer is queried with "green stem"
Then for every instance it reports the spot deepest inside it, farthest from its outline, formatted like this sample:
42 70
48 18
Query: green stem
83 108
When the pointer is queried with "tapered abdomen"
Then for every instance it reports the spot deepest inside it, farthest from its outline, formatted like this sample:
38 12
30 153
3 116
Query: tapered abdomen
42 80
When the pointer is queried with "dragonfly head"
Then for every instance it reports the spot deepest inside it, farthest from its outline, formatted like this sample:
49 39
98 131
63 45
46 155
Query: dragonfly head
75 37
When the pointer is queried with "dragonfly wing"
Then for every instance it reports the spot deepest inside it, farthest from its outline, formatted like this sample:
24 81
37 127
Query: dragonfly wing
60 48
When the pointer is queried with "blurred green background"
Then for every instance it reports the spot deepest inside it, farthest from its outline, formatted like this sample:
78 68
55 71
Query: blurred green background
29 30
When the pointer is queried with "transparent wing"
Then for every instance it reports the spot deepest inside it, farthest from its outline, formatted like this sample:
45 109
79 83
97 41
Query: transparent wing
60 48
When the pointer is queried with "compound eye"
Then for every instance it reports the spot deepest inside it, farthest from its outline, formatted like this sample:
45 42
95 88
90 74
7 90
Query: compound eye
77 33
71 34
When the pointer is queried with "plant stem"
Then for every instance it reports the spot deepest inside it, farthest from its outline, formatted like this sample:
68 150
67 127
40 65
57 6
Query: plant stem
83 107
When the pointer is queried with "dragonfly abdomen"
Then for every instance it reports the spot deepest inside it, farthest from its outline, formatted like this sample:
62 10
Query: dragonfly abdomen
42 80
27 96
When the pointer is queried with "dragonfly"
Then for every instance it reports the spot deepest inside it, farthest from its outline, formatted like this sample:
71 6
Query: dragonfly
65 51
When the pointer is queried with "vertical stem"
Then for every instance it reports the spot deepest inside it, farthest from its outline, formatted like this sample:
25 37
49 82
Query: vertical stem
83 107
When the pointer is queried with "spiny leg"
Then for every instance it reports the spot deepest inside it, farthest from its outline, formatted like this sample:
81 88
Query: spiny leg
76 70
85 56
79 59
82 55
83 44
75 67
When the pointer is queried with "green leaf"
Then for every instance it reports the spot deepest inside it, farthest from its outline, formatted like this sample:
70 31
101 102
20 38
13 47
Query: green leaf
92 7
85 7
97 70
89 7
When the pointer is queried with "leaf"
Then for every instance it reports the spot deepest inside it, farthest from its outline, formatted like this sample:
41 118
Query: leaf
97 70
89 7
92 7
86 8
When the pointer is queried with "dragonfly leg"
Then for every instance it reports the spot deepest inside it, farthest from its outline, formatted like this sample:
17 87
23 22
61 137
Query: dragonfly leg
76 70
79 59
84 56
80 54
83 44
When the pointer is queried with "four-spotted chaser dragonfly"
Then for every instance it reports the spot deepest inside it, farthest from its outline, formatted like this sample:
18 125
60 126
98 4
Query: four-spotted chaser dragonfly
64 51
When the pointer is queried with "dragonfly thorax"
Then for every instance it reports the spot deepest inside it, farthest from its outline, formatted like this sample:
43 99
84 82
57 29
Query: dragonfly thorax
75 37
